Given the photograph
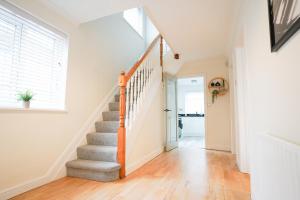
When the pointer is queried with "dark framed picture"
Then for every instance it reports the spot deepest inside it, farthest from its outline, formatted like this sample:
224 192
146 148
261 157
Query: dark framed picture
284 17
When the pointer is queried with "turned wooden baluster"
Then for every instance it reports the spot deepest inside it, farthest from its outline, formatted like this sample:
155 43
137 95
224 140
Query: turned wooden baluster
143 78
161 48
140 83
147 72
137 85
127 116
131 101
161 57
133 95
122 129
136 89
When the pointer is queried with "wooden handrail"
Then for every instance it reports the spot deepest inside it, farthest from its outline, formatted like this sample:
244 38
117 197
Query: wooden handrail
140 61
123 79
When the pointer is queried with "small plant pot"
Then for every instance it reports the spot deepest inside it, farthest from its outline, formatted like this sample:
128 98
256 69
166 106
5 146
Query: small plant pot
26 104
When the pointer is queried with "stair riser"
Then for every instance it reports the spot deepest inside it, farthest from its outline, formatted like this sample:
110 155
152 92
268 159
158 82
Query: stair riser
114 106
111 116
107 127
103 139
93 175
87 154
117 98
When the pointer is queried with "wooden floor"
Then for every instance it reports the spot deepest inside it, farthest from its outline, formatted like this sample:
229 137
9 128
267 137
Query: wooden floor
188 172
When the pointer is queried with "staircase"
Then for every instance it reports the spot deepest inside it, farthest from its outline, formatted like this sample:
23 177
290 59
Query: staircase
98 159
104 156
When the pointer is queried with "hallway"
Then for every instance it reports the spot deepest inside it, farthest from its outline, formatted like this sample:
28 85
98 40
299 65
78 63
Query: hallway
179 174
193 142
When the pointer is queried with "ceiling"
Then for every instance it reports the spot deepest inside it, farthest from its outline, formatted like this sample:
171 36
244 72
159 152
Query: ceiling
81 11
196 29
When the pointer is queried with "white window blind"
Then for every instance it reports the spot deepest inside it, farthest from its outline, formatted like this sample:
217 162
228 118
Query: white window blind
32 57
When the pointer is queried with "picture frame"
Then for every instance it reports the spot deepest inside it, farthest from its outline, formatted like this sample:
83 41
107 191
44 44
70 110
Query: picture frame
284 21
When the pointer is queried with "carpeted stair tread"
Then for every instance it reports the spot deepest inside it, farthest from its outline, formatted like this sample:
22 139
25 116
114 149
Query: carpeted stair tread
117 97
108 139
111 116
97 152
93 175
107 126
92 165
114 106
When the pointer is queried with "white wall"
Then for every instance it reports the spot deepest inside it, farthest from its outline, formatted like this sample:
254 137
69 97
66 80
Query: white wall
218 134
32 141
147 140
272 84
151 31
273 77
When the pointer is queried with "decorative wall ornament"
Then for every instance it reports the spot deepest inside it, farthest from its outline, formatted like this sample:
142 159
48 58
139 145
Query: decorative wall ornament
284 19
218 86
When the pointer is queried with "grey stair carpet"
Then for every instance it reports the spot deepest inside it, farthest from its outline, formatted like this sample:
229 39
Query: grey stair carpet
114 106
117 98
106 139
107 126
111 116
97 152
98 159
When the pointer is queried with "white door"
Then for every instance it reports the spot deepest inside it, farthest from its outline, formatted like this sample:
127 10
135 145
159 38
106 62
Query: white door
171 112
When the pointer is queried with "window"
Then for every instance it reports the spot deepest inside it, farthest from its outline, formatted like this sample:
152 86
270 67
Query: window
135 17
33 56
194 103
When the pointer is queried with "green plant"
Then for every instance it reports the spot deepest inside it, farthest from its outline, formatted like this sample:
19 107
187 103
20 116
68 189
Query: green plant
25 96
214 94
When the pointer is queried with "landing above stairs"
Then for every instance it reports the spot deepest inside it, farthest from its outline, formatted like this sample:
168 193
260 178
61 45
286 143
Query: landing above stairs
98 159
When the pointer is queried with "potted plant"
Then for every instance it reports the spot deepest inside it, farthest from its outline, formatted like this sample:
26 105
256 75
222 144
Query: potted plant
25 97
214 94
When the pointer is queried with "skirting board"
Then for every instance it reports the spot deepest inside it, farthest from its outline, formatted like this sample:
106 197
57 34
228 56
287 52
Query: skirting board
23 187
57 170
217 147
139 163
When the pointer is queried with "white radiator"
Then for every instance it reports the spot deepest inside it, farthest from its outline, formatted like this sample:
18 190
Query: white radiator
275 169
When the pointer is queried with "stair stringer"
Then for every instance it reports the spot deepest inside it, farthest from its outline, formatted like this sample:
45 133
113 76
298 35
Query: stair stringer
88 127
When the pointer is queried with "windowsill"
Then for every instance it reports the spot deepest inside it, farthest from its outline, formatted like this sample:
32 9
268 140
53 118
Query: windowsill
33 110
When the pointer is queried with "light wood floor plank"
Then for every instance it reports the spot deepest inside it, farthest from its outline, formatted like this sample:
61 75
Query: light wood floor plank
188 172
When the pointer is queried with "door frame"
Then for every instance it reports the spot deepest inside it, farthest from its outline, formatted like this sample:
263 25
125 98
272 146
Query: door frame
203 75
240 108
166 76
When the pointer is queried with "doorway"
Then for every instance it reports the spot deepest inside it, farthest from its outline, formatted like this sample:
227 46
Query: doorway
191 111
171 112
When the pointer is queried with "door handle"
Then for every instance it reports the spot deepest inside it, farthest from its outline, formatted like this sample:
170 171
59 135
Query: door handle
167 110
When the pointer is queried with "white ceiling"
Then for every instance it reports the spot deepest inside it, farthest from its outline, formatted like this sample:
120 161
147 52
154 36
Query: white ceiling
196 29
80 11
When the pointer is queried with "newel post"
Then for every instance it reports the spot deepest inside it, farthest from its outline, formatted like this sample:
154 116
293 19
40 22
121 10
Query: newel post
122 129
161 52
161 48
